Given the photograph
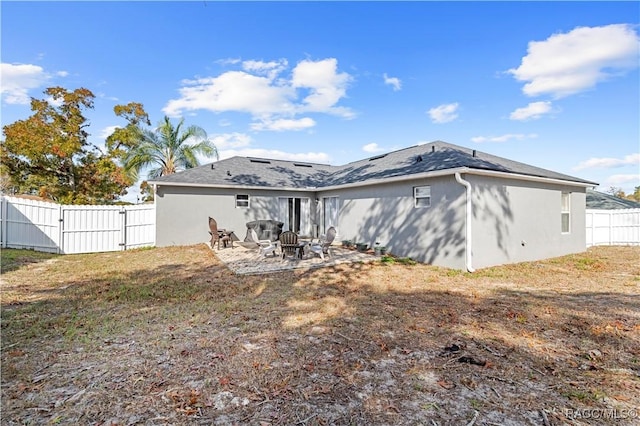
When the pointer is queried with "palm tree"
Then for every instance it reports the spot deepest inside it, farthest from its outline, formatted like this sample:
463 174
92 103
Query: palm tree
168 149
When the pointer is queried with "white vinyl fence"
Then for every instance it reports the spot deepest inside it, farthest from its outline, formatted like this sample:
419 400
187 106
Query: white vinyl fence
67 229
613 227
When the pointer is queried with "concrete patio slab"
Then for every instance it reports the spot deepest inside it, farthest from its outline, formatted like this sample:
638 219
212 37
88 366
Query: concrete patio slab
245 261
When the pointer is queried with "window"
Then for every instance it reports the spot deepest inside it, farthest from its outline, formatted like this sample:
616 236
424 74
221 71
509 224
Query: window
242 201
422 196
565 212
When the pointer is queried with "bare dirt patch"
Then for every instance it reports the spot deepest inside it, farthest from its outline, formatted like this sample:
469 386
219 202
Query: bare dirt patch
170 336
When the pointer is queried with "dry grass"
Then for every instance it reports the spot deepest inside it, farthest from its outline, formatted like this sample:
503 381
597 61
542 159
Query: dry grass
170 336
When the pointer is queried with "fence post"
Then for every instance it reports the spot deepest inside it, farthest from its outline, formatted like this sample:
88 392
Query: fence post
4 213
123 228
60 242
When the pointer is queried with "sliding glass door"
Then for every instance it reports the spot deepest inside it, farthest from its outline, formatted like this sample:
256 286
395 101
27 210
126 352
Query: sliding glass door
295 213
329 213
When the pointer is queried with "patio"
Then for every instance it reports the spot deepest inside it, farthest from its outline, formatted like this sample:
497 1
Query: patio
245 261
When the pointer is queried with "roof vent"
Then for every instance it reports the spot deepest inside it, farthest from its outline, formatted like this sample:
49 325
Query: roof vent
228 173
378 157
212 167
302 165
473 153
433 148
418 158
258 160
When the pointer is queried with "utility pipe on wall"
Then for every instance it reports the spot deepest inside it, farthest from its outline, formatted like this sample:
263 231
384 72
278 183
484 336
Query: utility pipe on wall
469 217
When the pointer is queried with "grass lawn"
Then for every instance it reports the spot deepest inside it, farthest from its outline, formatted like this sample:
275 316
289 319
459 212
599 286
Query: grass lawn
170 336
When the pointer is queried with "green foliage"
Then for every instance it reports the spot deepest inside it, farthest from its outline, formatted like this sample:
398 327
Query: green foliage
618 192
125 138
12 259
48 153
391 260
167 149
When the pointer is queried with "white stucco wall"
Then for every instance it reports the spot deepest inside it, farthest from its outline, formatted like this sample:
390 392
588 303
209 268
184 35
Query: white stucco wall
386 213
515 221
183 213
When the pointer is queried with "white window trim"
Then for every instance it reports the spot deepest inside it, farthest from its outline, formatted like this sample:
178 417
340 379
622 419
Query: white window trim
416 198
248 201
565 212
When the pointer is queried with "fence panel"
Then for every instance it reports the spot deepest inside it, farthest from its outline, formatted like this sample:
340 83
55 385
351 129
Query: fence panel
91 229
68 229
140 227
30 224
613 227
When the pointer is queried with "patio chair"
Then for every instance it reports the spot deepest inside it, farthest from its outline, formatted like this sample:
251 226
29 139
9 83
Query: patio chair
218 234
322 247
264 246
289 244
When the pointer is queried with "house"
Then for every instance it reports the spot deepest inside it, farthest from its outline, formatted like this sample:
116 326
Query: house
437 203
601 201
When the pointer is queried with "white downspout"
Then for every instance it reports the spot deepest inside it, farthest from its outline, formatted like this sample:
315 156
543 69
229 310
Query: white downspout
469 217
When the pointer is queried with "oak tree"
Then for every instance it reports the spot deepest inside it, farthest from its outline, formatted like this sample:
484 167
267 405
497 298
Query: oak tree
48 153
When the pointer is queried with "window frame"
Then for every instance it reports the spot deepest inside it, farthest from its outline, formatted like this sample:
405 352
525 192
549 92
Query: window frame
565 211
240 201
416 197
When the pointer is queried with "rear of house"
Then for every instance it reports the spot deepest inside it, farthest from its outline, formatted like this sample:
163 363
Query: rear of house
436 203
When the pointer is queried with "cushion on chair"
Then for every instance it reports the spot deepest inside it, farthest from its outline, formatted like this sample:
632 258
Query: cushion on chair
265 228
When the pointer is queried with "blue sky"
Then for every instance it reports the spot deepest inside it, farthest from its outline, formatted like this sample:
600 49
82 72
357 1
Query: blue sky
552 84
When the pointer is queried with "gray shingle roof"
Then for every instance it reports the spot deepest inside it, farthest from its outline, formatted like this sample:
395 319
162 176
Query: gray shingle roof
599 200
430 157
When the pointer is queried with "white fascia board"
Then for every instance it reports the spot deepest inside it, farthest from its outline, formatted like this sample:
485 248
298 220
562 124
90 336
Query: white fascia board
529 178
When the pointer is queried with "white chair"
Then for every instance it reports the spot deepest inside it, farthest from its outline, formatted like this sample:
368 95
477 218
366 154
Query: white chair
322 247
264 246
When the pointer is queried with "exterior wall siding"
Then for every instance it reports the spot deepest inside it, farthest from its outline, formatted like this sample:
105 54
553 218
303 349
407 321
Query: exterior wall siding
386 213
183 212
513 221
517 221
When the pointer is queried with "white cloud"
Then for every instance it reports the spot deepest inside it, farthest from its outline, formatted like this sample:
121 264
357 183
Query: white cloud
569 63
444 113
533 111
18 80
310 157
326 85
229 61
232 91
231 140
284 124
62 73
55 102
633 179
608 162
504 138
239 144
372 148
393 82
261 90
271 69
107 131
